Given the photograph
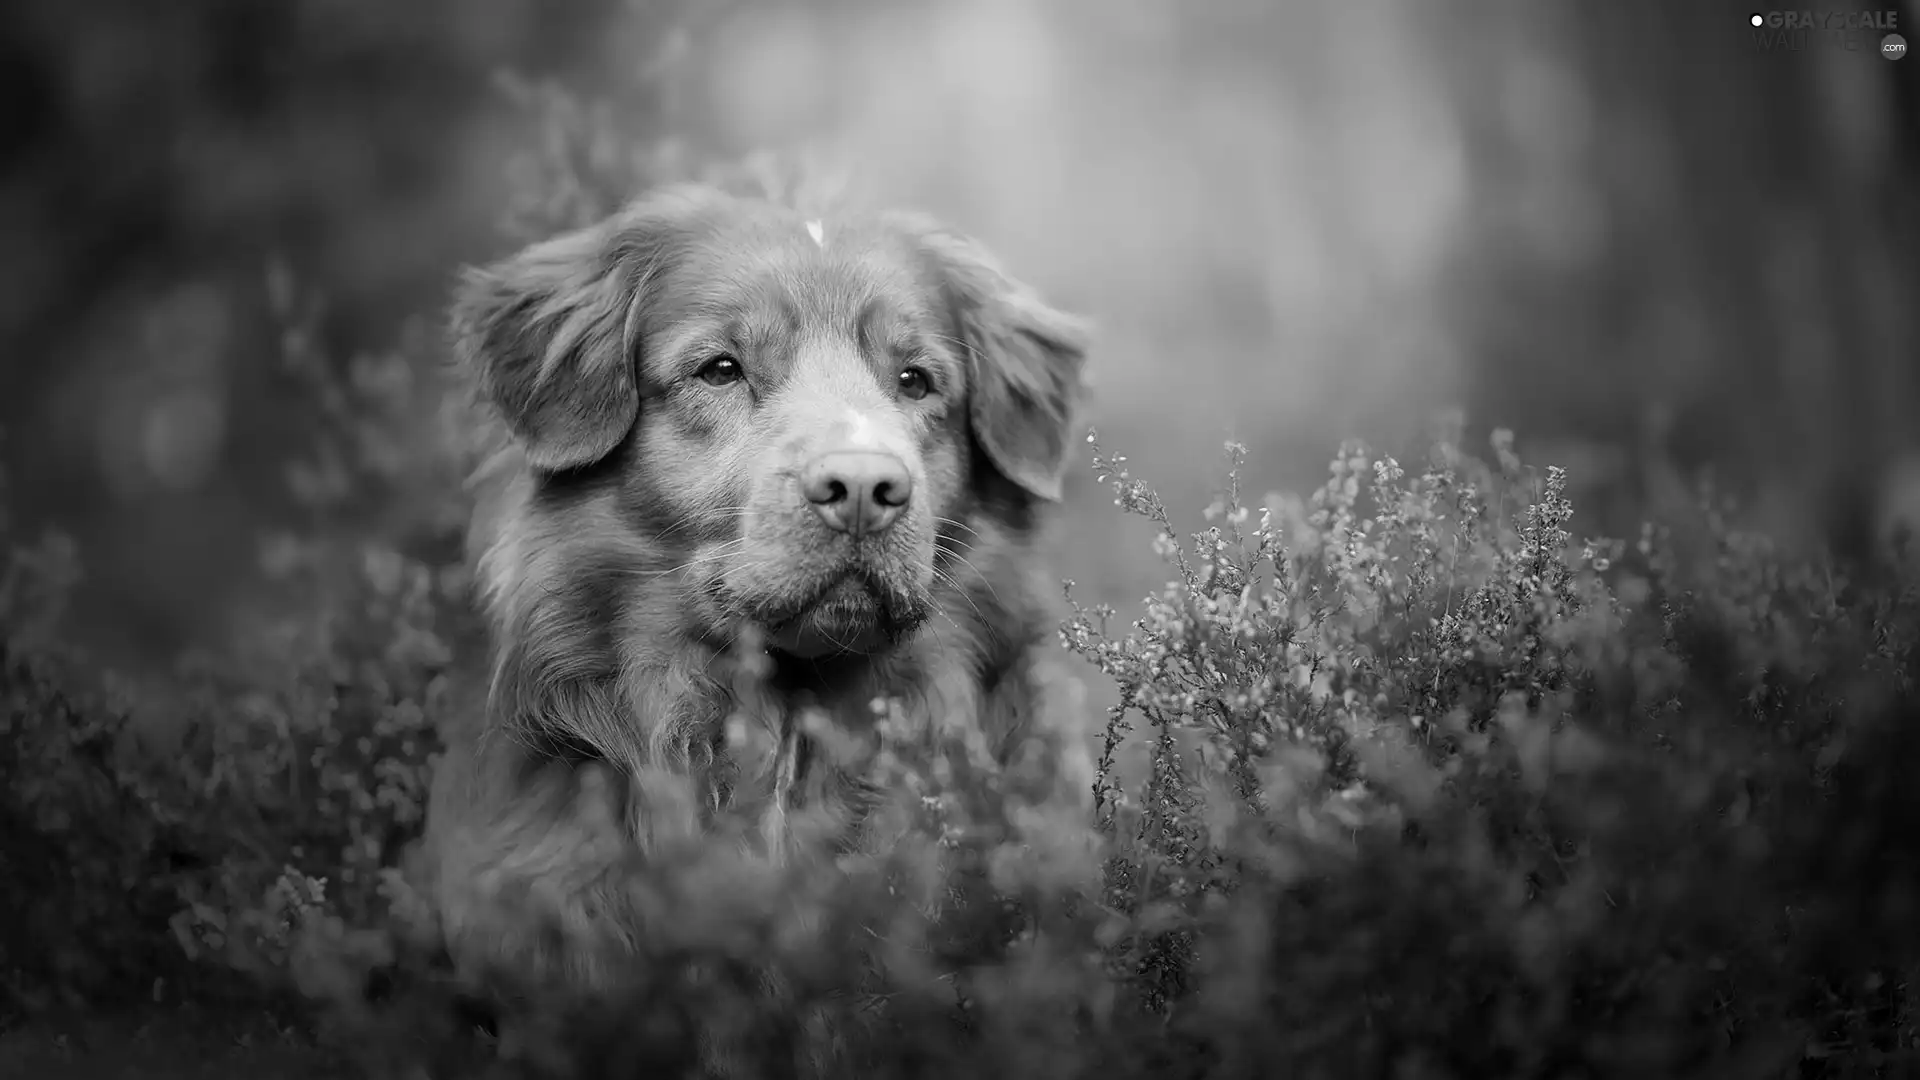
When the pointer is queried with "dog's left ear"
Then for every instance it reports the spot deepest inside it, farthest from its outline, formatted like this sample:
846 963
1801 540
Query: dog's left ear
1025 358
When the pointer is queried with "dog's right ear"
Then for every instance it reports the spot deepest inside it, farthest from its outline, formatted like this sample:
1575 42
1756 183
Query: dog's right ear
549 336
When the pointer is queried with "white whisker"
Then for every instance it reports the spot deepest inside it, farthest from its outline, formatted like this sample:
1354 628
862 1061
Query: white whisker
984 580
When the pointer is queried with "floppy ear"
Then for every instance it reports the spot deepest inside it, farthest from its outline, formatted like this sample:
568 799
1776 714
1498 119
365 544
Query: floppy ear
1025 358
549 335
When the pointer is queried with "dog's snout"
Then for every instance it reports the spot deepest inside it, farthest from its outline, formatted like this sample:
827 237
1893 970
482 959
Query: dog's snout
857 491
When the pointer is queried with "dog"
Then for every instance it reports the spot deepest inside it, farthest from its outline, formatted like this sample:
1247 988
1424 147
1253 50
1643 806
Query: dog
725 426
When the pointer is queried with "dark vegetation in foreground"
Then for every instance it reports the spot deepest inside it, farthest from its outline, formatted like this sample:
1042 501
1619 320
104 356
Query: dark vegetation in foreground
1406 779
1430 788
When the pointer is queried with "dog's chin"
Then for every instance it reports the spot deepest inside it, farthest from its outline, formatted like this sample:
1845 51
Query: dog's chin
851 616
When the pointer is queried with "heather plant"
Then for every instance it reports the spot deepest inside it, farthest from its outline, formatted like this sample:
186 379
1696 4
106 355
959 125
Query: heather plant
1407 761
69 817
1428 787
300 766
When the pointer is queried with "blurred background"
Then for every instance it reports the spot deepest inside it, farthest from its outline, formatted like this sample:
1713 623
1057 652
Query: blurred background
1624 230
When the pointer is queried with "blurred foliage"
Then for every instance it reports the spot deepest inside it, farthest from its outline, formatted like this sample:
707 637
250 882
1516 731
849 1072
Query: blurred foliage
300 768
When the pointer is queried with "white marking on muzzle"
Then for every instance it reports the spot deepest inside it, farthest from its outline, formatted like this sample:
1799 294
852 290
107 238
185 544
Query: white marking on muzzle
819 234
860 429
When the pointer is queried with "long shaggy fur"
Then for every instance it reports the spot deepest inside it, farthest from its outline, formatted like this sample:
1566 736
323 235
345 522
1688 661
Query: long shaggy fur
676 648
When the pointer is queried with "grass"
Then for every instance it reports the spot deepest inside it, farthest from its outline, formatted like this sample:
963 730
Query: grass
1403 779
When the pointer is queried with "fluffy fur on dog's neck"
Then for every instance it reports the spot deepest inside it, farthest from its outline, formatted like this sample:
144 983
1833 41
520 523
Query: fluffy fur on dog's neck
599 654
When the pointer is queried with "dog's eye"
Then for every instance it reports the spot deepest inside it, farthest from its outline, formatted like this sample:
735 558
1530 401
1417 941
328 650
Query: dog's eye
721 371
915 383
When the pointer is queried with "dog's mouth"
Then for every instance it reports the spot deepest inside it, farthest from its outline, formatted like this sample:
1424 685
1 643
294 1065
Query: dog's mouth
853 613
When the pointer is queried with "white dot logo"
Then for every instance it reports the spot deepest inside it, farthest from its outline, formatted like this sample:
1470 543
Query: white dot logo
1893 46
1757 19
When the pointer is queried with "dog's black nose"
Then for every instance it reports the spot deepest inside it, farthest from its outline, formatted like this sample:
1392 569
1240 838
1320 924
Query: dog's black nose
857 491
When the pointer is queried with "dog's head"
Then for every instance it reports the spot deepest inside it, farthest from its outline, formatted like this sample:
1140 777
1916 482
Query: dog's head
797 417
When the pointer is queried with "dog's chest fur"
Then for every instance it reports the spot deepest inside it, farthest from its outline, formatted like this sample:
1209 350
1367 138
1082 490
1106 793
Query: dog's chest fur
839 736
